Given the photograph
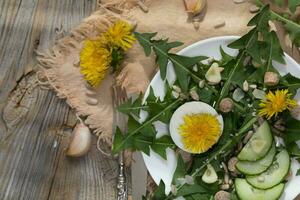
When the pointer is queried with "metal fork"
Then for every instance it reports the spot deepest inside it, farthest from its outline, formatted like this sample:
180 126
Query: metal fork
120 96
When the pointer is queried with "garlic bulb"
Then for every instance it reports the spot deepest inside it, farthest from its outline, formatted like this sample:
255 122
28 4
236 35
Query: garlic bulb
80 142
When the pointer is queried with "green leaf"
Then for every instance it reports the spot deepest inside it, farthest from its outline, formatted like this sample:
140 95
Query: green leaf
261 20
298 172
191 189
225 57
291 82
159 193
294 33
183 67
276 52
293 149
292 130
132 107
142 143
143 38
161 144
293 4
243 41
161 48
180 171
118 140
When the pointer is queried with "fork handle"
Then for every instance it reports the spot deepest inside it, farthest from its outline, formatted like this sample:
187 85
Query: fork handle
121 184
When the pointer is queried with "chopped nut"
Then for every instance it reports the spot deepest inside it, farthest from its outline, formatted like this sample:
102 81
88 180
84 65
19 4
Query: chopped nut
196 25
222 195
176 88
201 83
194 95
247 137
226 105
271 78
225 187
143 7
246 86
246 61
175 94
238 94
231 164
259 94
253 86
295 112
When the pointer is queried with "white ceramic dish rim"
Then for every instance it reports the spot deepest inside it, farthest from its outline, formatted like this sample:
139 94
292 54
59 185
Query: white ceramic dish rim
169 165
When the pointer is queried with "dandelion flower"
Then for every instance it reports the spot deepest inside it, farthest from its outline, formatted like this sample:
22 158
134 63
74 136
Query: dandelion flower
200 131
275 103
94 61
119 35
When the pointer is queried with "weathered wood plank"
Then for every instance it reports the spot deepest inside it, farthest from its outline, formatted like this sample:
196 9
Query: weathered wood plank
35 124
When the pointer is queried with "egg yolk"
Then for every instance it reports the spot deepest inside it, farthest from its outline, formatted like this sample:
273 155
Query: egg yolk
199 132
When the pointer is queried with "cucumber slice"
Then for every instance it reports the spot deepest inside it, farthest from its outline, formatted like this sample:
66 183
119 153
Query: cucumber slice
246 192
274 174
259 166
258 145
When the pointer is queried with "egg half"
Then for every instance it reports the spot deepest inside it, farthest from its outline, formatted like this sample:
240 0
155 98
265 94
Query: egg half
195 127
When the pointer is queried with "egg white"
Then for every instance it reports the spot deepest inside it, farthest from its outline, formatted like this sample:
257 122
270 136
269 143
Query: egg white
193 107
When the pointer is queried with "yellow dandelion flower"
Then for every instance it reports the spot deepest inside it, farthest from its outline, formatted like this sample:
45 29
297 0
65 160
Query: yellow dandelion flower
200 131
94 61
275 103
119 35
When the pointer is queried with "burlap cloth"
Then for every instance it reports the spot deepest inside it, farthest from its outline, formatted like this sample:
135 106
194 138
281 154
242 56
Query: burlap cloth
60 65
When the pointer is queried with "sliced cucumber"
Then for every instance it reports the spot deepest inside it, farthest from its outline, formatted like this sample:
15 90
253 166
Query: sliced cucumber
246 192
259 166
274 174
258 145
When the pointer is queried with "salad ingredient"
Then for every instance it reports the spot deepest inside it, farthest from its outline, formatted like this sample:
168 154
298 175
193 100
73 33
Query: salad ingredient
271 78
246 192
276 102
258 145
226 105
274 174
80 142
259 166
194 6
219 23
232 164
245 86
210 176
213 74
222 195
238 94
259 94
195 127
194 95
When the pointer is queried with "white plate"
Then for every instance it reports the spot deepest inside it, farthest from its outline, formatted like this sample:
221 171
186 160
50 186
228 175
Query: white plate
161 169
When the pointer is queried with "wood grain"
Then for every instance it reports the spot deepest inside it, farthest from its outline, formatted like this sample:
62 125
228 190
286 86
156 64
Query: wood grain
35 125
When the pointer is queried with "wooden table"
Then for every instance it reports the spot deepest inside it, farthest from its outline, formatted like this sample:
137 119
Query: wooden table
35 125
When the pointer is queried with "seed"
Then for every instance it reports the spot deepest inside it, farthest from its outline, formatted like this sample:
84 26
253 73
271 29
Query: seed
246 86
194 95
238 1
220 23
91 101
226 178
247 137
253 86
254 9
231 164
224 167
176 88
90 93
143 7
196 25
201 83
175 94
225 187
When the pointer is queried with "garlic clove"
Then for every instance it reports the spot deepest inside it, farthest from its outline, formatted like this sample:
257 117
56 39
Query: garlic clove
194 6
80 142
213 74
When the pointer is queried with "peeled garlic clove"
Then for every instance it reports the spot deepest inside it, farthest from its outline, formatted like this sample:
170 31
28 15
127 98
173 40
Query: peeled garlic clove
210 176
194 6
213 74
259 94
80 142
